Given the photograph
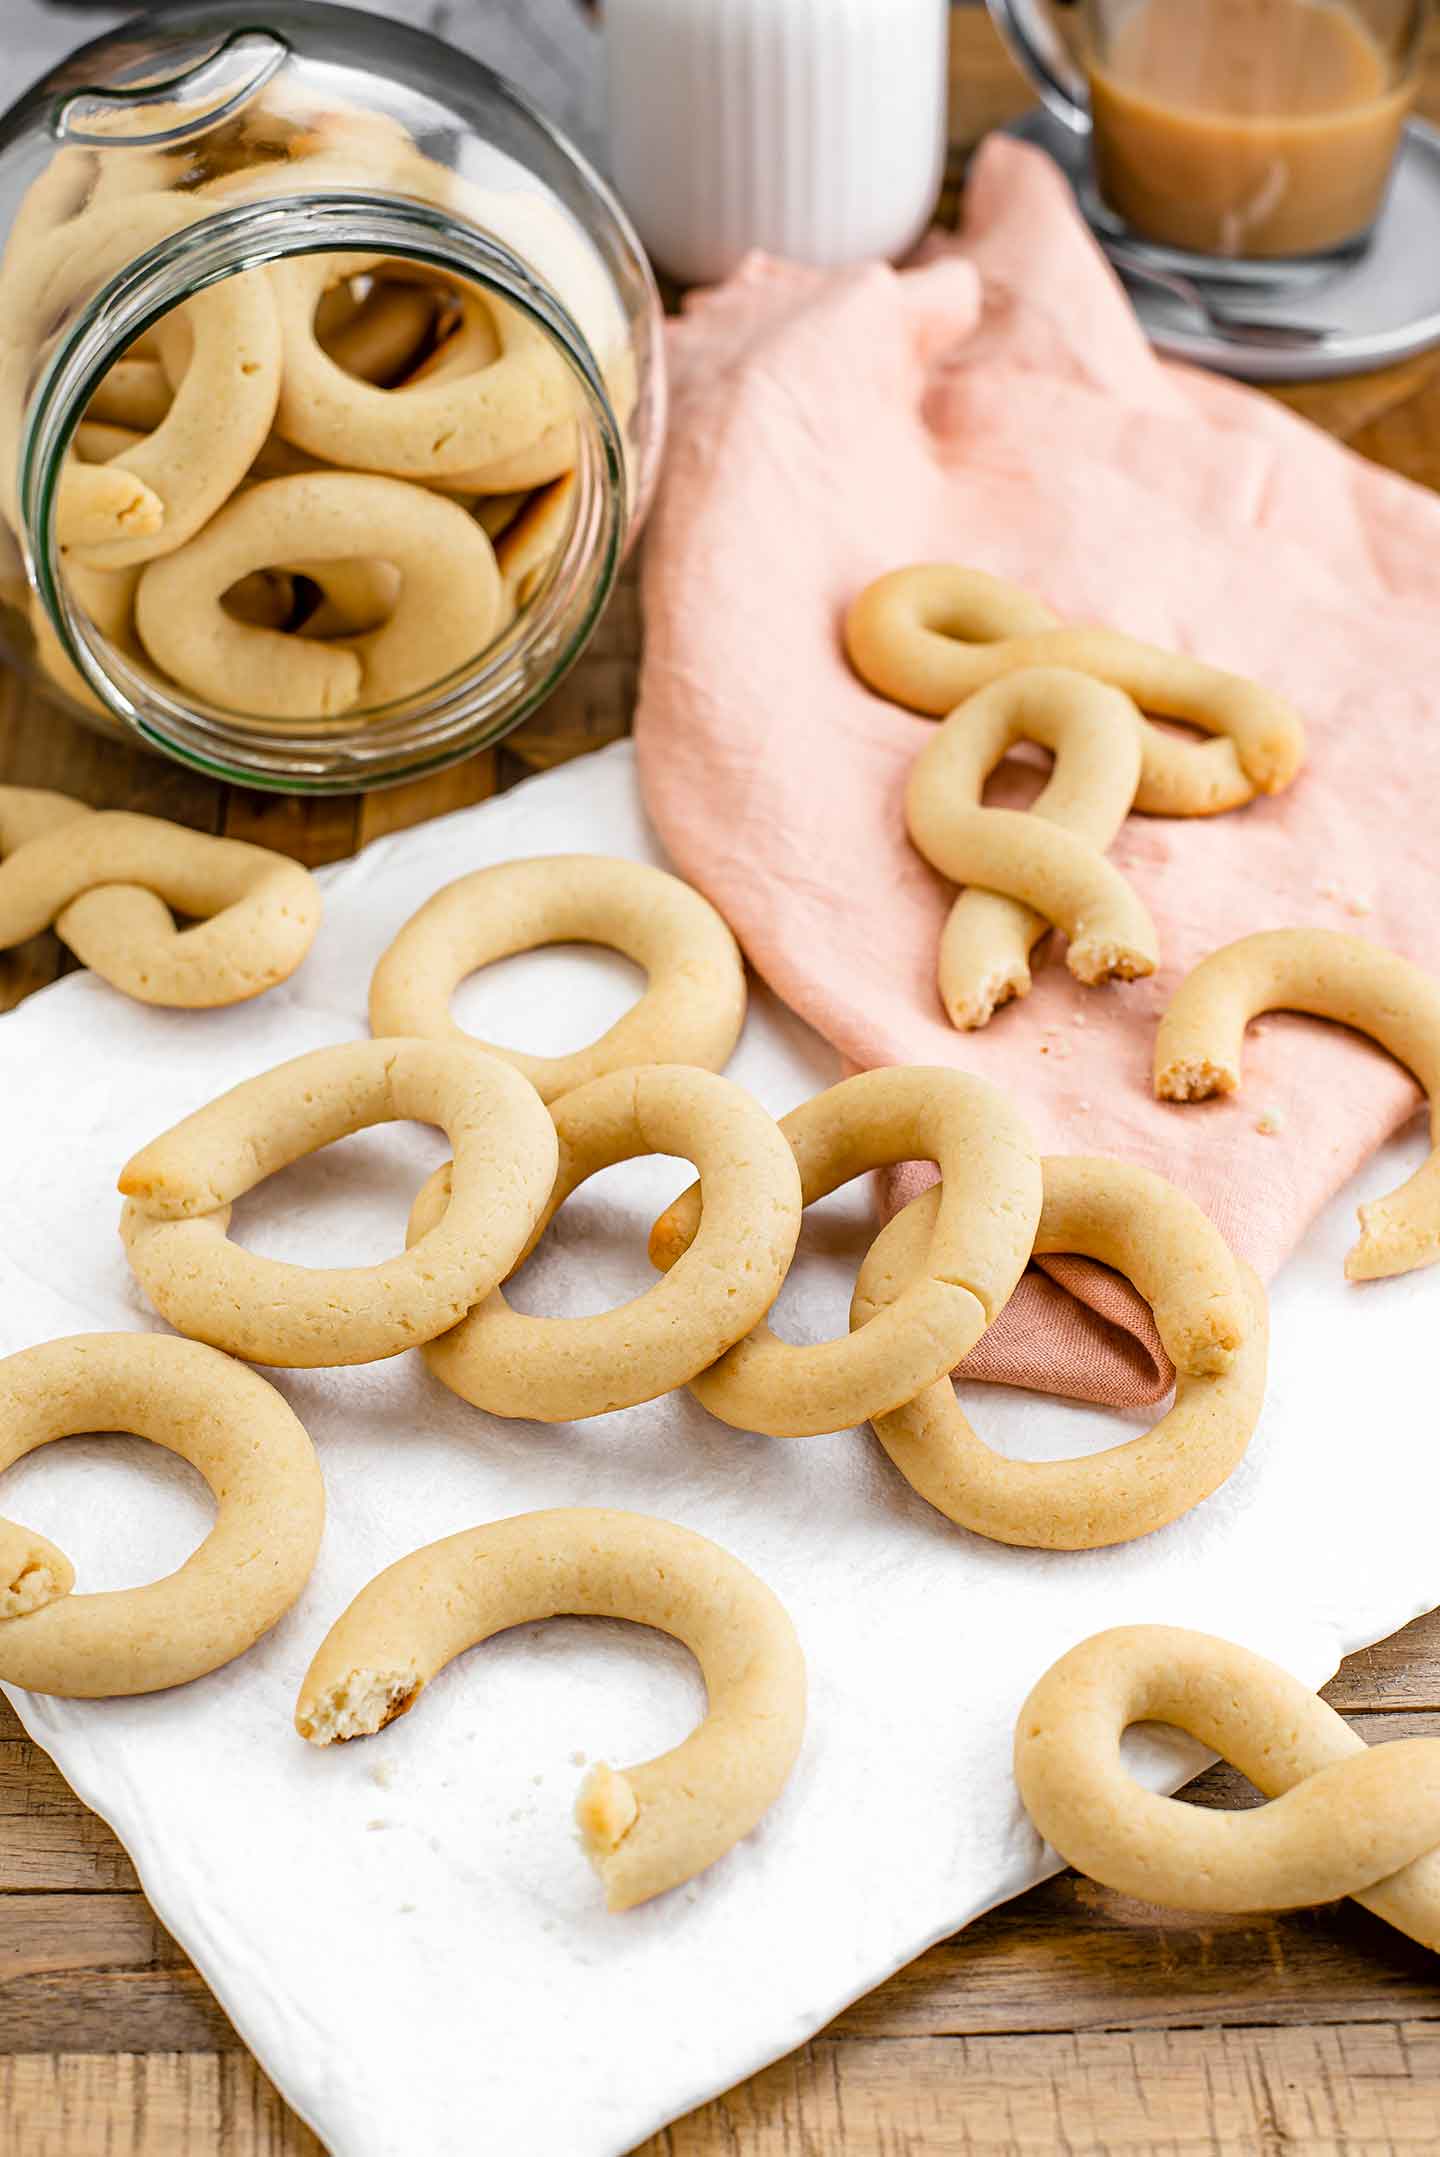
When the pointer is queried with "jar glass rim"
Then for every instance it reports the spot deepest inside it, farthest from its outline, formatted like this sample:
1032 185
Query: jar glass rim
454 718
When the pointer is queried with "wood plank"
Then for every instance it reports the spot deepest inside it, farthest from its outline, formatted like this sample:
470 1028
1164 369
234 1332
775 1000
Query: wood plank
313 828
1365 2091
102 1973
1402 1672
1346 407
1309 2093
398 808
594 703
40 745
48 1839
1406 435
987 89
67 2105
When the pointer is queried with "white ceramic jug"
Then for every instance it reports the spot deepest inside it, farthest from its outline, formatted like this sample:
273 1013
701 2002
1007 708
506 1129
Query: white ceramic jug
813 129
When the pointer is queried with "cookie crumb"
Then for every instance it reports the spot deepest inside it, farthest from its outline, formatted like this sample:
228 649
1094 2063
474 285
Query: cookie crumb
375 1825
407 1909
1083 1107
1269 1121
1357 907
383 1773
577 1760
1326 891
1078 1019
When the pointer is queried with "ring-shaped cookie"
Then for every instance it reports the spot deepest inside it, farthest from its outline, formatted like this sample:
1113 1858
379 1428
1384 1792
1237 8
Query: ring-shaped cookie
532 540
265 599
132 393
472 342
693 1006
217 420
1027 871
560 1370
985 1226
1344 1818
355 596
33 812
1211 1315
179 1190
257 912
930 636
253 1452
645 1828
107 597
384 337
125 913
1329 975
96 441
427 430
96 503
447 609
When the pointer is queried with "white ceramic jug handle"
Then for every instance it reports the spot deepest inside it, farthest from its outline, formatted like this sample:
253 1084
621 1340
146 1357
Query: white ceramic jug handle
1032 38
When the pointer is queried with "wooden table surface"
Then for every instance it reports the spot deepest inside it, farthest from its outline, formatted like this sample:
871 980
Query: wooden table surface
1069 2020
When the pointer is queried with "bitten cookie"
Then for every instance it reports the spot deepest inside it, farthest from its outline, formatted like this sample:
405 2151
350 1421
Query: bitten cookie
1043 865
646 1828
1201 1034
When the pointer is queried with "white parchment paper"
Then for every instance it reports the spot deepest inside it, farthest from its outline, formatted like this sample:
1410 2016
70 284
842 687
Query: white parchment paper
405 1929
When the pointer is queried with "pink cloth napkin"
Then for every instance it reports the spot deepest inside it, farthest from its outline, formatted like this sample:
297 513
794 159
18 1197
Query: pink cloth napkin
1000 406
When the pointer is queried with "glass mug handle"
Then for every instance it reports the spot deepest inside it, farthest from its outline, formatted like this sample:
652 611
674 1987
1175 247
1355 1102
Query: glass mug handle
1028 30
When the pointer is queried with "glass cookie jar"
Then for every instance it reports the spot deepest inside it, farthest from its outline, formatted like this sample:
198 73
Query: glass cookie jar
331 393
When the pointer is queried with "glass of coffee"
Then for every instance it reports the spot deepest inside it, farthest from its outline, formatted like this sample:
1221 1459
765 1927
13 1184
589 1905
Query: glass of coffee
1250 129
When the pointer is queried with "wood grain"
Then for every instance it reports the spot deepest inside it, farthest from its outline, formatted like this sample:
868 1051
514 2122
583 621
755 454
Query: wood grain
1071 2019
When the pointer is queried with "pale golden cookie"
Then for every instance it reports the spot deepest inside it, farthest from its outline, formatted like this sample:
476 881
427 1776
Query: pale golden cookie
558 1370
693 1006
133 393
180 472
1344 1818
252 1451
1333 976
180 1189
984 1229
1045 865
427 430
532 540
930 636
646 1828
107 597
123 911
447 609
386 334
1211 1315
356 597
257 911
